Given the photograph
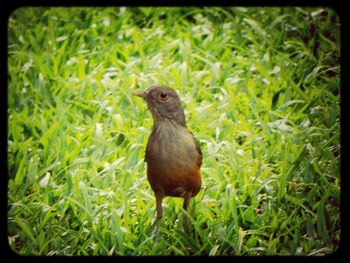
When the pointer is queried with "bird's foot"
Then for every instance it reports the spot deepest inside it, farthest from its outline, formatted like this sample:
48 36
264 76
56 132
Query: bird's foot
156 231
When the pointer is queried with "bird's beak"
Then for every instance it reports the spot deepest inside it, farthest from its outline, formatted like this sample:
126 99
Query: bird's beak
142 94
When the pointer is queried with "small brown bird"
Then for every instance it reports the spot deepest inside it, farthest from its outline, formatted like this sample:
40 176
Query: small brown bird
173 155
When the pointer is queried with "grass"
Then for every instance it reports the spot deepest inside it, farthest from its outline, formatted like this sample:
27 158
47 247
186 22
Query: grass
261 92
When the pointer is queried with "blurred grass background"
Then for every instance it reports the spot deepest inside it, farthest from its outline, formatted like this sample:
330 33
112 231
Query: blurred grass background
261 92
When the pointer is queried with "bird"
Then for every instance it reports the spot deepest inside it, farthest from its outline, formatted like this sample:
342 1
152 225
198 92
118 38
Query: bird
173 155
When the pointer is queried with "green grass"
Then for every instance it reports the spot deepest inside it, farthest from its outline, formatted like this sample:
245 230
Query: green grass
261 92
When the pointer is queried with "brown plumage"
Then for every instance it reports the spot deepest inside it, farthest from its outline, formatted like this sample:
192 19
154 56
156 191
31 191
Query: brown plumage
173 155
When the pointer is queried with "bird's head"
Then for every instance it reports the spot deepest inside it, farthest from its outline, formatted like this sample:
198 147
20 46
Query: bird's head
164 104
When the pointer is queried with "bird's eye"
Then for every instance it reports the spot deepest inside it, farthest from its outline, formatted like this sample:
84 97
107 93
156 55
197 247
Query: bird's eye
163 95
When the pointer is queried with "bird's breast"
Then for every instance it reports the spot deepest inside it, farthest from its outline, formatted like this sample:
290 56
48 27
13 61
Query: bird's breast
171 146
171 158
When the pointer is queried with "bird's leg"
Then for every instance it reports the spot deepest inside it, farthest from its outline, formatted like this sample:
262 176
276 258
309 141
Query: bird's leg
159 199
187 198
159 208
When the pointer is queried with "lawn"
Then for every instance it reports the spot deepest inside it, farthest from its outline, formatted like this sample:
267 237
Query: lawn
261 93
